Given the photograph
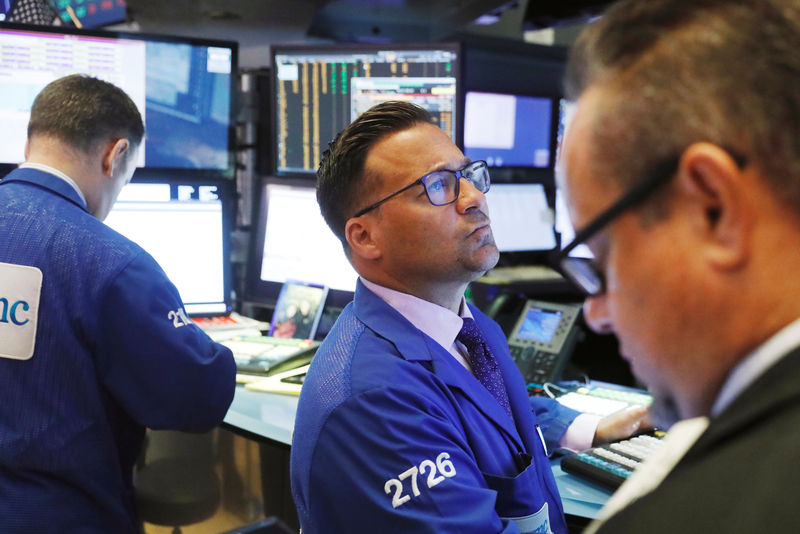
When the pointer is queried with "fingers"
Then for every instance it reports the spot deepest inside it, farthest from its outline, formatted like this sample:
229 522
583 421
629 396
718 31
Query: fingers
621 425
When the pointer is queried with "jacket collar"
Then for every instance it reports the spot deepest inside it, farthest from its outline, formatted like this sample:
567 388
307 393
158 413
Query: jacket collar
774 390
46 181
414 345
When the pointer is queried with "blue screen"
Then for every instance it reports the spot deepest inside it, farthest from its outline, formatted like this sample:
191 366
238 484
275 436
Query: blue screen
182 89
508 130
188 99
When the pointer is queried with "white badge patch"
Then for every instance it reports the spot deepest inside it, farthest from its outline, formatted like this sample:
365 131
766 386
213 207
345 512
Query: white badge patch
20 288
538 522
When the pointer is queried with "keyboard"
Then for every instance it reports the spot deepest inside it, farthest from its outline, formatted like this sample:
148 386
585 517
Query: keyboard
266 355
610 465
625 395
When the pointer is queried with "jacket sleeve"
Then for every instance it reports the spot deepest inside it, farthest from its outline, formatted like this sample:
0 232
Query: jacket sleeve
163 370
554 418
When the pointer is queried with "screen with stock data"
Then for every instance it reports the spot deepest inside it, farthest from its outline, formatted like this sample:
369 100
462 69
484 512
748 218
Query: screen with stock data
319 91
182 88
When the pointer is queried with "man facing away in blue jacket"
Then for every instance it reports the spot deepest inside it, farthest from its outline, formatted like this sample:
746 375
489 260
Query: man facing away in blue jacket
94 341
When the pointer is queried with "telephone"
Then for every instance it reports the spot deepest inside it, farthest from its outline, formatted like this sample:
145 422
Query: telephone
543 338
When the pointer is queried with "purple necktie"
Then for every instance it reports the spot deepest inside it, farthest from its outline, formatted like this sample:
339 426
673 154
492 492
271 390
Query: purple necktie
484 366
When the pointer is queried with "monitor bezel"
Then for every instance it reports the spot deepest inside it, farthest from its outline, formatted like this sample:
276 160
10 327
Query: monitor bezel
451 46
199 174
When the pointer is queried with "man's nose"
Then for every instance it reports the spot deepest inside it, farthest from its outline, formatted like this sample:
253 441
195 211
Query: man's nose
470 196
595 311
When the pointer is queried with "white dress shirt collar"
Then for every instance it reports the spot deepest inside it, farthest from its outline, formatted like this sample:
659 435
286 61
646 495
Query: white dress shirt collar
55 172
754 365
439 323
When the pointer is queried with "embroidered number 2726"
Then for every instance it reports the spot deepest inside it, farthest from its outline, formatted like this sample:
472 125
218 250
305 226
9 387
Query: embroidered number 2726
437 472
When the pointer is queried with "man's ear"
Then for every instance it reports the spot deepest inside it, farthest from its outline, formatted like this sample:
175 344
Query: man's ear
361 236
113 155
714 190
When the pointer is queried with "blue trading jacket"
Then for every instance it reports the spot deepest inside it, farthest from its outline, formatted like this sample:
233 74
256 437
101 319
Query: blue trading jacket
393 435
108 360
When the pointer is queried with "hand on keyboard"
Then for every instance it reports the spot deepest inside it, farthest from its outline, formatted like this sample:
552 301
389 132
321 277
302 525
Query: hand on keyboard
621 425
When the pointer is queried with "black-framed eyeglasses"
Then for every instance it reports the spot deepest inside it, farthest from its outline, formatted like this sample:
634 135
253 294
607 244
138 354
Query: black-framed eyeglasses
442 187
583 272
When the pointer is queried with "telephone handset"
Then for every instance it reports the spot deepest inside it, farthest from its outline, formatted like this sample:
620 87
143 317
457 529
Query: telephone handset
543 339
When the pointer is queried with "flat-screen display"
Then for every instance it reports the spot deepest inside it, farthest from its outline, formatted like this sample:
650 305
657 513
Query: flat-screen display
508 130
521 218
91 13
185 228
292 242
318 91
183 88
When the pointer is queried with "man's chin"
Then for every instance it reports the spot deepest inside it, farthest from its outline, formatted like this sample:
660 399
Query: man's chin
663 412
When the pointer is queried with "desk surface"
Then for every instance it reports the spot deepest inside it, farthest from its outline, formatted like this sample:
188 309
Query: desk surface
270 417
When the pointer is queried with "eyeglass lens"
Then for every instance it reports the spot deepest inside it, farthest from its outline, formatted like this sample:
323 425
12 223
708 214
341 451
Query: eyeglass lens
584 274
442 187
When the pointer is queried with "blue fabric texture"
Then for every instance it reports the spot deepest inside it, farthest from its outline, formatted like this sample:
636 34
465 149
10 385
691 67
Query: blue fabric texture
108 361
393 435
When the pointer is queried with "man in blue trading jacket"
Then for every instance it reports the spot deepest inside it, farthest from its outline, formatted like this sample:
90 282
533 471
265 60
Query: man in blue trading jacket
94 341
407 422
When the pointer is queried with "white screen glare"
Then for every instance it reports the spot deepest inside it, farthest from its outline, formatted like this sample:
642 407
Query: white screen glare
29 61
184 236
521 217
298 245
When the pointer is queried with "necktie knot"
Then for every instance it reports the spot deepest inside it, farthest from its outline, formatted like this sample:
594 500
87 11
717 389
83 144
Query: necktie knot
484 365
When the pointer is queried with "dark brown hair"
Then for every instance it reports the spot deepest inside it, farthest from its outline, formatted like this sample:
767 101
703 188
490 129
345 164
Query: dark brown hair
341 184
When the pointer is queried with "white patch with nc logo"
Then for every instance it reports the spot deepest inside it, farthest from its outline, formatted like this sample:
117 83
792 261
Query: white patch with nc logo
20 289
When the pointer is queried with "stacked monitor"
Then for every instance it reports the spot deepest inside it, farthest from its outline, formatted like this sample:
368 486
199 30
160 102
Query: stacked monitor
320 90
186 228
292 242
177 209
508 130
522 220
183 88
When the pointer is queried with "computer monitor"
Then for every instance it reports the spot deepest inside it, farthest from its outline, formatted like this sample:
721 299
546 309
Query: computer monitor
186 228
318 91
291 241
183 88
508 130
522 220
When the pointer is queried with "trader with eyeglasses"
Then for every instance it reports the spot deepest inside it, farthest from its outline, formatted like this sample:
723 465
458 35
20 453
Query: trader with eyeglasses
413 416
682 170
